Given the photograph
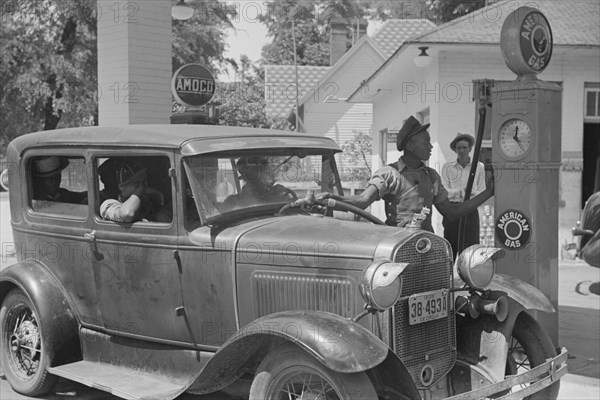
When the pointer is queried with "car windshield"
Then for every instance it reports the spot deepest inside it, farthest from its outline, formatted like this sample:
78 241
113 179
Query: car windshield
225 186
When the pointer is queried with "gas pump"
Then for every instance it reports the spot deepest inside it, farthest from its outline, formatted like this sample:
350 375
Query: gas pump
525 124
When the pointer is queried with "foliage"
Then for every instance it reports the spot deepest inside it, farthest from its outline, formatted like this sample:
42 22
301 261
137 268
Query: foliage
201 39
48 49
242 103
387 9
306 21
356 157
48 59
447 10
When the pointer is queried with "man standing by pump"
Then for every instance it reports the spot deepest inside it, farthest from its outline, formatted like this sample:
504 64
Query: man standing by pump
455 176
408 185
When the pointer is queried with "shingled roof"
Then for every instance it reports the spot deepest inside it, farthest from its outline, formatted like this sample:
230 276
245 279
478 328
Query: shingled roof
394 32
279 79
573 23
280 89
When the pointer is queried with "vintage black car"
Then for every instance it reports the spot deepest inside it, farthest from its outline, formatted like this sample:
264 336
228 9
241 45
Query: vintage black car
263 291
588 231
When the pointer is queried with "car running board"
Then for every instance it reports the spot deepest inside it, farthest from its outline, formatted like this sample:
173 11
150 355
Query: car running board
120 381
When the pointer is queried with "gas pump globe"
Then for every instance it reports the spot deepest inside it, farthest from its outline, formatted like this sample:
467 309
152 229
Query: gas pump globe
526 153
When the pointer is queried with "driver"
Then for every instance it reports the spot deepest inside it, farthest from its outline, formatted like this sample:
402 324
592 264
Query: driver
259 188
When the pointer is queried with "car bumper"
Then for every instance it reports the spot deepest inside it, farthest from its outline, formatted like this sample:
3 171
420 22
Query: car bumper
537 379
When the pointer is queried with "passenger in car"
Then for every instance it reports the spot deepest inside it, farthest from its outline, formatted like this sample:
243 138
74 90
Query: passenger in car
258 176
47 179
137 201
108 176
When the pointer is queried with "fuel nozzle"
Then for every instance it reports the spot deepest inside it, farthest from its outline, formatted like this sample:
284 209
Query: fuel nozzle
418 219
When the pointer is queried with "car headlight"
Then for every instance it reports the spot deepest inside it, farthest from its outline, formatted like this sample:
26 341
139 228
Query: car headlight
381 284
476 265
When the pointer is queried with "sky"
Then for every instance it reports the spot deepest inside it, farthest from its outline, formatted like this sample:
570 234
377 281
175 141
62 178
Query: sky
249 35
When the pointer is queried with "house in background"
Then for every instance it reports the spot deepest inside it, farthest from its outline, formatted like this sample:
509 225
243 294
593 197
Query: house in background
468 48
323 91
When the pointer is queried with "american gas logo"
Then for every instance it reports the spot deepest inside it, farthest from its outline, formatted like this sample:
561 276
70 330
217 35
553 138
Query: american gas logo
536 41
513 229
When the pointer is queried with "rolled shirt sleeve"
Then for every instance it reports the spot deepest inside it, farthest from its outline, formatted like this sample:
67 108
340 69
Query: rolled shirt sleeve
109 210
386 180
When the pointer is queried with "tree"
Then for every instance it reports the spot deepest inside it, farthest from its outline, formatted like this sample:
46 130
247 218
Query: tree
356 157
201 39
47 50
242 103
447 10
306 21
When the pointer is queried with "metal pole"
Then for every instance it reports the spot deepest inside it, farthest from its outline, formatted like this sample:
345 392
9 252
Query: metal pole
299 124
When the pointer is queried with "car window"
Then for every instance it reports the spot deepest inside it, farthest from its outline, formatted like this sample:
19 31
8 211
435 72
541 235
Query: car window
58 185
225 184
117 174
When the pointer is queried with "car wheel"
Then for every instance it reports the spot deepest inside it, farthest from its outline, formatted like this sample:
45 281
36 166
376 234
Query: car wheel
529 347
290 373
4 180
21 347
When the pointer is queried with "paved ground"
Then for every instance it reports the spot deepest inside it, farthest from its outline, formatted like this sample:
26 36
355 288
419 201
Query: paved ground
579 320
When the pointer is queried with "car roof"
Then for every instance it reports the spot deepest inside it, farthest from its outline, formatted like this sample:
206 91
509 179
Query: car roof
189 139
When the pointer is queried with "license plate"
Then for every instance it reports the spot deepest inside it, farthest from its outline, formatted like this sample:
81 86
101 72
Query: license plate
428 306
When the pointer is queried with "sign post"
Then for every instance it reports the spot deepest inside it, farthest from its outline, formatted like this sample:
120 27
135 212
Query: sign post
526 153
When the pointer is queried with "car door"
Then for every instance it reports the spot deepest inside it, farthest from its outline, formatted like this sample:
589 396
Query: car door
55 219
136 273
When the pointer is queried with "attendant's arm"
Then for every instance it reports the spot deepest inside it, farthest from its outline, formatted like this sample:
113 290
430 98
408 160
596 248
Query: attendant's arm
455 211
363 200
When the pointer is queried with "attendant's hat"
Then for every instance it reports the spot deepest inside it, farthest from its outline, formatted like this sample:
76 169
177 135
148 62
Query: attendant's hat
462 136
46 167
410 128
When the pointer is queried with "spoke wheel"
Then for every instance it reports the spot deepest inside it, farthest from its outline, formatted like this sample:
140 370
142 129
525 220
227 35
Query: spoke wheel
21 347
529 347
291 374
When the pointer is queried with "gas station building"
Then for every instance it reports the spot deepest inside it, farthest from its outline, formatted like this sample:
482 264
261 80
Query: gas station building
467 49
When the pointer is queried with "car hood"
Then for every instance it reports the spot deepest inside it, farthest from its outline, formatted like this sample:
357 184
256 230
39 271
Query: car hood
310 241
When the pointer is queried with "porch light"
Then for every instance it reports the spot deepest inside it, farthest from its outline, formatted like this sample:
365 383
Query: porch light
423 60
182 11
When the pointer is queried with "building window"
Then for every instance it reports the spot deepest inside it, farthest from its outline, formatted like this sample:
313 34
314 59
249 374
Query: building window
592 102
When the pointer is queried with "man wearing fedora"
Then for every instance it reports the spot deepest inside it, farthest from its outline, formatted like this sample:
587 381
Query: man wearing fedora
47 176
408 185
455 176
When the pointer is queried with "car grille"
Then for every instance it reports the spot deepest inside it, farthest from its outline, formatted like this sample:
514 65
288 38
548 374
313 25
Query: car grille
432 342
279 291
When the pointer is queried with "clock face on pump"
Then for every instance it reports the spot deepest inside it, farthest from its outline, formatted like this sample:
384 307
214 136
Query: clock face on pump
514 139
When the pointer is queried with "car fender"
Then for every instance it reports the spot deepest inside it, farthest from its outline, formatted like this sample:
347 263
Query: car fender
530 297
59 322
482 341
338 343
